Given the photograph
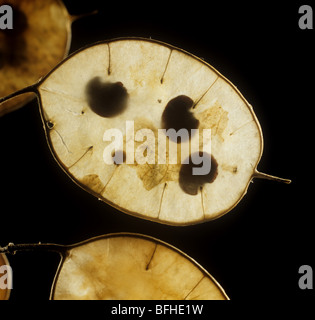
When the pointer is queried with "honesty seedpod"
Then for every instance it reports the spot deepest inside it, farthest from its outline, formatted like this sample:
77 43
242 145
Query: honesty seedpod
127 267
130 89
39 39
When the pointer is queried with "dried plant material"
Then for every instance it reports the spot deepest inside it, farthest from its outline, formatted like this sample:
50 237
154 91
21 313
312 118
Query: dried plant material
108 111
132 267
40 38
125 266
4 278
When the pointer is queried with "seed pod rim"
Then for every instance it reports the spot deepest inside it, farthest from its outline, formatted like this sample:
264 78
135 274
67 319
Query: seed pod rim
255 173
67 248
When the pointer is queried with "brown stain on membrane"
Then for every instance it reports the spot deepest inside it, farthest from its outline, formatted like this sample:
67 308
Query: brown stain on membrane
151 175
155 174
230 168
93 182
214 118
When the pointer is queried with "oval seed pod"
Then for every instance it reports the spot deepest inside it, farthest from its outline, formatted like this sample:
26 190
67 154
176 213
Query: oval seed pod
5 282
40 38
126 266
131 267
109 111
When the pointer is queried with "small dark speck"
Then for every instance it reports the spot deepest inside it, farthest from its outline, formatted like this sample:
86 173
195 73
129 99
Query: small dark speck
159 100
50 124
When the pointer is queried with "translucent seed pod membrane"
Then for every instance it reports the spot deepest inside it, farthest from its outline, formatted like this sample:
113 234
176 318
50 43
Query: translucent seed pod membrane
125 266
129 119
26 54
132 267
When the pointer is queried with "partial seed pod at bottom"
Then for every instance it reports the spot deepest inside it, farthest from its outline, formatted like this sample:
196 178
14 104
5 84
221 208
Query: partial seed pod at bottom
127 266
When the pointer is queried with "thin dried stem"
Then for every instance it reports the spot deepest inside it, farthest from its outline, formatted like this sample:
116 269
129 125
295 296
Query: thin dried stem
261 175
75 17
29 89
12 248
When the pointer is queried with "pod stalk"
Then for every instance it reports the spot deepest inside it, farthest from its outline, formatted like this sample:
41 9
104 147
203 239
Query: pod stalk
29 89
75 17
261 175
12 248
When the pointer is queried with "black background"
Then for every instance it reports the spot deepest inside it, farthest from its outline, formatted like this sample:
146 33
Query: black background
254 251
